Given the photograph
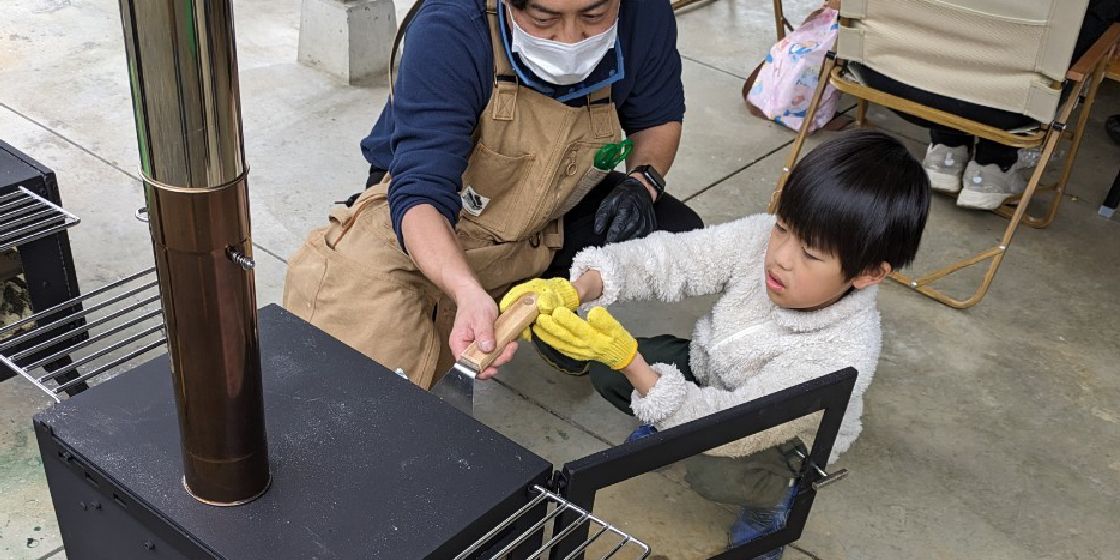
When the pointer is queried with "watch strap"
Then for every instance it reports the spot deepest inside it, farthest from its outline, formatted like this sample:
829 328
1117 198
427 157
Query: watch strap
652 176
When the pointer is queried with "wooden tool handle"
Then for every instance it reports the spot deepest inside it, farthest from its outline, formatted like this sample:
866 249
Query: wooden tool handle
506 329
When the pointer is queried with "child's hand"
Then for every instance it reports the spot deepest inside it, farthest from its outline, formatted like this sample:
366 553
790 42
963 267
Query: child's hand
600 338
551 294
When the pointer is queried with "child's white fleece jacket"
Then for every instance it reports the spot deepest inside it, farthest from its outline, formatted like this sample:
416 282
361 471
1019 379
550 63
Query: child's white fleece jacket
745 347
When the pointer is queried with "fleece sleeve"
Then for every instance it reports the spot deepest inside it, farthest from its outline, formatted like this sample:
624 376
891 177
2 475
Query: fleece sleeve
671 266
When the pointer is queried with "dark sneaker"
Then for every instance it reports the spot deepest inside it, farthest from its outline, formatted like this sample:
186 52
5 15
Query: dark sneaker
754 523
645 430
560 362
1112 126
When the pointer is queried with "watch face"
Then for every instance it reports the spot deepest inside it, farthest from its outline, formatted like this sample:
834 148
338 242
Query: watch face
652 175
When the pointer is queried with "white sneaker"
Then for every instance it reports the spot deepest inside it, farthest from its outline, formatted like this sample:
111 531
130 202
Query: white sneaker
987 186
1029 158
944 165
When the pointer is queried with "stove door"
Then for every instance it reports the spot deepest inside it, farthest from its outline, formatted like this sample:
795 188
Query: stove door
580 480
36 264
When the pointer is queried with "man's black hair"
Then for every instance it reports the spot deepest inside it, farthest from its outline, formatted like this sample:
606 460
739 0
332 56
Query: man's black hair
519 4
861 197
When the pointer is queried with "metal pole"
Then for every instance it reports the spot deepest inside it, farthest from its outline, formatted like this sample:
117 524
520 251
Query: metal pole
182 65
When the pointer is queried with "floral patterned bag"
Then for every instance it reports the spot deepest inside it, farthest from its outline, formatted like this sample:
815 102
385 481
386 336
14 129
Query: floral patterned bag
788 77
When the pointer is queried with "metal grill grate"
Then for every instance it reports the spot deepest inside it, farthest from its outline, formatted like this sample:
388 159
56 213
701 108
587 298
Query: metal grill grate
62 348
617 541
25 217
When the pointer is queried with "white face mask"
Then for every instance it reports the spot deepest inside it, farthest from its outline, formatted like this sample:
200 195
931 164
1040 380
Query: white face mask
562 63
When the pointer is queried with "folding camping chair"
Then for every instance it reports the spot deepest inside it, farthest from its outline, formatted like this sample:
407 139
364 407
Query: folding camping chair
1008 55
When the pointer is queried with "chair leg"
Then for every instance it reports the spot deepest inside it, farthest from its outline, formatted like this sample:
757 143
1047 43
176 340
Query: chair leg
922 285
1112 199
1078 134
861 112
779 19
997 253
1075 137
1010 208
803 132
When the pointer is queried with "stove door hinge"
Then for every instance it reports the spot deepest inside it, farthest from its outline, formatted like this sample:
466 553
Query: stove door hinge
558 482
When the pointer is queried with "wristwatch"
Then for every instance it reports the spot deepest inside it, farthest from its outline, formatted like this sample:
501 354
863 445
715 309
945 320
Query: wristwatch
652 176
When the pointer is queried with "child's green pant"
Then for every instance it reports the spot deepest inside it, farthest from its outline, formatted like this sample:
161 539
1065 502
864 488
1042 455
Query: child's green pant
759 480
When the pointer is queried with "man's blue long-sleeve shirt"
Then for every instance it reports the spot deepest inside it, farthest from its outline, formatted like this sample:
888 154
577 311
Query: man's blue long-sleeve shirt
444 82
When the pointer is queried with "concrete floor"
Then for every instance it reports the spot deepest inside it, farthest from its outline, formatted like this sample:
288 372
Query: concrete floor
989 433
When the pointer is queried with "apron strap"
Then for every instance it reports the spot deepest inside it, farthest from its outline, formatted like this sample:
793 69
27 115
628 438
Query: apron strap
600 108
502 66
505 79
408 17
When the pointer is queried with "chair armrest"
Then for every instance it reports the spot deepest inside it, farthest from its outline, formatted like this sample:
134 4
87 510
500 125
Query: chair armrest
1092 57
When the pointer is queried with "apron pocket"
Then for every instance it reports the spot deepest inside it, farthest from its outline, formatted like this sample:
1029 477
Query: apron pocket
493 195
304 278
358 224
574 178
498 266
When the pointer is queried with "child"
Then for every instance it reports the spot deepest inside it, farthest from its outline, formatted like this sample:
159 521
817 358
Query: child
797 301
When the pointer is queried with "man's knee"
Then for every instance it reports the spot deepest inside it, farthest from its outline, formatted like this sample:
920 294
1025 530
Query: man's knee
675 216
612 385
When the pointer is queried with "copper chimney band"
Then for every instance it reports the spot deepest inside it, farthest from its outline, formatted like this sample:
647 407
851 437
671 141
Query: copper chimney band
183 70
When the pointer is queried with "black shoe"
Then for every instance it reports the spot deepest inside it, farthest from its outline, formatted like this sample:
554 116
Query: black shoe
1112 126
557 360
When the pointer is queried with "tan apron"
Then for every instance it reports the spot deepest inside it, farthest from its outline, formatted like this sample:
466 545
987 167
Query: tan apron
351 278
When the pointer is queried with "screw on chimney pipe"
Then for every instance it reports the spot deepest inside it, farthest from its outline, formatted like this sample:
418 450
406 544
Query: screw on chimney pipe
182 66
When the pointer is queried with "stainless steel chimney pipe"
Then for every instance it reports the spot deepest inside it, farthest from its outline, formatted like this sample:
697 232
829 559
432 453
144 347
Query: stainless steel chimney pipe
182 65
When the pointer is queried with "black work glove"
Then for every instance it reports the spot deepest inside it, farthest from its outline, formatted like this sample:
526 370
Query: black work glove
626 213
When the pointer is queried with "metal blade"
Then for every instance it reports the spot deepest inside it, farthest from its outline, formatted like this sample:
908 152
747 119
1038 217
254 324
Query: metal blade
457 388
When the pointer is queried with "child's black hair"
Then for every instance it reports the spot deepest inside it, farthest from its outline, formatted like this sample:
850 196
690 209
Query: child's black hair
861 197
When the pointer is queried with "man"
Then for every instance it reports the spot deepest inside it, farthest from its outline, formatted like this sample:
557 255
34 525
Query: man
1112 199
497 112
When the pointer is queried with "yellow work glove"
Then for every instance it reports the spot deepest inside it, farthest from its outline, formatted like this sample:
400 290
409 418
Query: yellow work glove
600 338
551 294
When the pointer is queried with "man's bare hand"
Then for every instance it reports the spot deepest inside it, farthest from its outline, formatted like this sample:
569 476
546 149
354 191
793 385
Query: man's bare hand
475 315
502 360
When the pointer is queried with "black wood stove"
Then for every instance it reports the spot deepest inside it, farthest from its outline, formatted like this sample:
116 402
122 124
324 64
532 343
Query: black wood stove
365 465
